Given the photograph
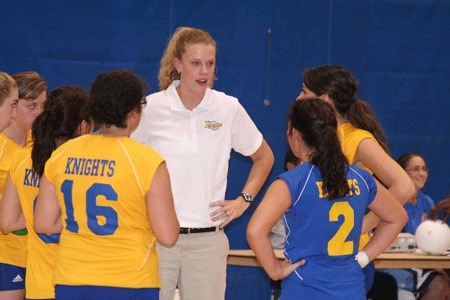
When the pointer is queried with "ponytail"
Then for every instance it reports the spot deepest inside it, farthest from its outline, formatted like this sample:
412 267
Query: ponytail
332 164
341 87
64 111
44 142
361 116
315 120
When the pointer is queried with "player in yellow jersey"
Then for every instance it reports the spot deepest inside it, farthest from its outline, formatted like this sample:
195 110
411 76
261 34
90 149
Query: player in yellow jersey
32 95
110 197
9 96
64 117
362 138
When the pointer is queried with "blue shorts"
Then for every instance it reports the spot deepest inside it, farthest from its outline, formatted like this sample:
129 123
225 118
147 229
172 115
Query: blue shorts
11 277
88 292
369 275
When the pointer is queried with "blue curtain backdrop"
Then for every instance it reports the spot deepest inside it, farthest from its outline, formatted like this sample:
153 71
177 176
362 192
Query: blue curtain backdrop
398 50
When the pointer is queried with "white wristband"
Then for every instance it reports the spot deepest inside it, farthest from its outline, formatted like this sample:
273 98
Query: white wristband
362 259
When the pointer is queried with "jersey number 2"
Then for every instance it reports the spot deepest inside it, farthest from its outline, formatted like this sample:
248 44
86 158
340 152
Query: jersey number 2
338 245
93 210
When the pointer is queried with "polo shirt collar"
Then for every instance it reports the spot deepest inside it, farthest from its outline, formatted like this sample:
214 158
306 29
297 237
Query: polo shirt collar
177 105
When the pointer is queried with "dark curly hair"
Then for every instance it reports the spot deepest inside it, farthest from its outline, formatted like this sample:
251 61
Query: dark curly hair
64 111
316 121
341 87
113 95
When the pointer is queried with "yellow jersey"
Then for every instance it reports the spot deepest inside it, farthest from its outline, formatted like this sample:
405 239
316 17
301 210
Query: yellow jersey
41 247
350 138
13 246
106 240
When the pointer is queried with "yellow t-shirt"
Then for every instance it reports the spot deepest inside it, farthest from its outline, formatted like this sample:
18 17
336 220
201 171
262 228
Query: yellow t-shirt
101 183
350 138
42 247
13 246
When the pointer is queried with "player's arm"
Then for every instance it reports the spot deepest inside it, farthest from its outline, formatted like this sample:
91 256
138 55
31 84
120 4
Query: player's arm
161 209
262 164
11 215
275 202
47 214
393 218
388 171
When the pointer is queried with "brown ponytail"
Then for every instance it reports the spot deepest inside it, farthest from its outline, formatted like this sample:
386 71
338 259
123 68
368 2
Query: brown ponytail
341 87
315 120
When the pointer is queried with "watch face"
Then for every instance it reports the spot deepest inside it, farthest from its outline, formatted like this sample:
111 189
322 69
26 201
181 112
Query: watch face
247 197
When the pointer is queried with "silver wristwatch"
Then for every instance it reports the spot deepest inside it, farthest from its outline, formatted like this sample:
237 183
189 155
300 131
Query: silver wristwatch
247 197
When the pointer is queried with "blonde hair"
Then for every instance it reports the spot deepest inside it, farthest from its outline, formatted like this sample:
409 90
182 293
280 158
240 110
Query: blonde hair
176 47
30 85
7 83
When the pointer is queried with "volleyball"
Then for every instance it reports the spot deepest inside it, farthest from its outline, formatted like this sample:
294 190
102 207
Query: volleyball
433 237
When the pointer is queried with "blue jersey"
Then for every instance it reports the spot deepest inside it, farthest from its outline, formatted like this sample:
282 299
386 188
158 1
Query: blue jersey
326 234
415 211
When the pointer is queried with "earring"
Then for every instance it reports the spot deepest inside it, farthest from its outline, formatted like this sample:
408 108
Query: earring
179 72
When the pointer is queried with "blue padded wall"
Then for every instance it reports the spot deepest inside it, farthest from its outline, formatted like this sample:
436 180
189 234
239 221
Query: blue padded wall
397 49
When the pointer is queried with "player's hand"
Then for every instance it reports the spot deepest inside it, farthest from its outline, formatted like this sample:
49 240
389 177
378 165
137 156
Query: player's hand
287 268
228 210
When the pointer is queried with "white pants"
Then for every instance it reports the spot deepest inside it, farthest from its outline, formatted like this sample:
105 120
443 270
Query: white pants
197 264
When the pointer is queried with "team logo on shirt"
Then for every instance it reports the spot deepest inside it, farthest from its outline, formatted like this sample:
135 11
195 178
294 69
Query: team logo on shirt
213 125
352 184
31 178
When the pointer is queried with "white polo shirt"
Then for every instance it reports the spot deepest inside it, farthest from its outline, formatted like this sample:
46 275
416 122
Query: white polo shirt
196 146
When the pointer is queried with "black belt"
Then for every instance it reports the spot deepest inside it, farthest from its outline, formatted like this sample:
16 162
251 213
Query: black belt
185 230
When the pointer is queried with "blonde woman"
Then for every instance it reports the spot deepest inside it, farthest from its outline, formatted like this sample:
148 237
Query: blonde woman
195 128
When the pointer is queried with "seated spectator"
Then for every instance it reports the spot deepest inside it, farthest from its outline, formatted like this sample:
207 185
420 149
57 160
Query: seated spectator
424 284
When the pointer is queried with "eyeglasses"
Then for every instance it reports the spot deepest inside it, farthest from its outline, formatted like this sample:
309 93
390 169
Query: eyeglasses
417 169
